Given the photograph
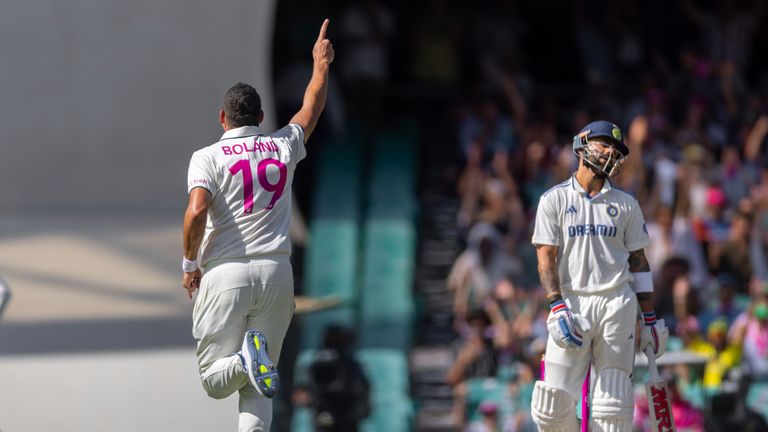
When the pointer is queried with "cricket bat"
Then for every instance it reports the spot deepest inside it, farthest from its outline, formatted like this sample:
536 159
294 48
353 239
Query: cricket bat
658 397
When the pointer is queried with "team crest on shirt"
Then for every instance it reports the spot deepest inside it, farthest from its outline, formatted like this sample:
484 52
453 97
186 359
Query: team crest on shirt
613 211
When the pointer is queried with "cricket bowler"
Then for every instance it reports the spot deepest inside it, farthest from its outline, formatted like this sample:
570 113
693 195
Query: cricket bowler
238 217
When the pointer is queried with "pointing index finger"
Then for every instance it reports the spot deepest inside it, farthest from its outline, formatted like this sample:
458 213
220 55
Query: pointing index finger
323 29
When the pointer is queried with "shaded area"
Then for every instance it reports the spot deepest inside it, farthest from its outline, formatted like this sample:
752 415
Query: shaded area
94 288
18 338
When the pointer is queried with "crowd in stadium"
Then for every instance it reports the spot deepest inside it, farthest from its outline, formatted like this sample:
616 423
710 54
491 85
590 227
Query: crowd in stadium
684 81
696 128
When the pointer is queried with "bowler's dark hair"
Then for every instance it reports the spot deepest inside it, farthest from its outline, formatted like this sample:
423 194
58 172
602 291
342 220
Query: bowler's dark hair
242 106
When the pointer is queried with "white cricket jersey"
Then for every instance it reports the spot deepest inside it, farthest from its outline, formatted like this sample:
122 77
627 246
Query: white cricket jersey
249 175
594 235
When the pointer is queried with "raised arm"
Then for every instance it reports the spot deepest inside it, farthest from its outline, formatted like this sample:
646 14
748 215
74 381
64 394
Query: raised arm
756 138
317 89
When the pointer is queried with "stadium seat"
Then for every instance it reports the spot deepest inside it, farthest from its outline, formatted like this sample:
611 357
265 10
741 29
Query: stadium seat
337 186
493 390
386 298
393 175
387 372
331 263
302 420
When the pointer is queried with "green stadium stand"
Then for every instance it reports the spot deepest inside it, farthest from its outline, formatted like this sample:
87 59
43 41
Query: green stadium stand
302 420
387 372
338 182
480 390
379 303
300 377
331 265
386 300
331 269
389 251
393 177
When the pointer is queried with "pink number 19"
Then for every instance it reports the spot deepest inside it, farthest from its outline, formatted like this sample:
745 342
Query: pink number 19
261 172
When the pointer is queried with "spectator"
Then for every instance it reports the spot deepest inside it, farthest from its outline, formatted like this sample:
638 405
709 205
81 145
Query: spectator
751 330
672 237
536 171
693 184
502 401
723 356
486 125
475 352
478 270
673 287
733 255
727 30
724 304
489 421
735 176
339 393
759 239
471 186
713 228
696 113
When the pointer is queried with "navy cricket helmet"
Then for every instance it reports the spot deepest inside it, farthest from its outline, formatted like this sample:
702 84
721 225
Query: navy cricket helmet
602 165
601 128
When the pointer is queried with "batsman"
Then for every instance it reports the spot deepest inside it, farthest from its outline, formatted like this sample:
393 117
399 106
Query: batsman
589 237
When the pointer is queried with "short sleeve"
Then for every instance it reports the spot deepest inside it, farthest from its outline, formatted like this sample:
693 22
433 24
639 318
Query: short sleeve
201 173
294 135
547 227
636 235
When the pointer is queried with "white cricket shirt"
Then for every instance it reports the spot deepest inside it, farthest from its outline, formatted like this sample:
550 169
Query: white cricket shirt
249 175
594 235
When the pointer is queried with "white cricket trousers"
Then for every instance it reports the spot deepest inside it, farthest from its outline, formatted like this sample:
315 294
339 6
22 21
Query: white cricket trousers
236 296
609 343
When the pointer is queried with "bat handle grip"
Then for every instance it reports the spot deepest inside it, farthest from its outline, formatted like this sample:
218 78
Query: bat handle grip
653 371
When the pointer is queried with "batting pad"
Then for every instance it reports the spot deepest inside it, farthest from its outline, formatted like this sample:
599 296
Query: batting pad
553 410
612 402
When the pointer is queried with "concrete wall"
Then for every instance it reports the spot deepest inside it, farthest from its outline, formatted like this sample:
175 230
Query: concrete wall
103 101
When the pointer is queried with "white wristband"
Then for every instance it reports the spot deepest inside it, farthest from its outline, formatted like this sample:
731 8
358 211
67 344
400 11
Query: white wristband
643 282
188 265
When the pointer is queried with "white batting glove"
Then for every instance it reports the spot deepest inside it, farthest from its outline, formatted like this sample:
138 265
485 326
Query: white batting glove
564 326
653 333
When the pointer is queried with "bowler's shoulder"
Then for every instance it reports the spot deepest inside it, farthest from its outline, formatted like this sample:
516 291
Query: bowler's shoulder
205 155
289 131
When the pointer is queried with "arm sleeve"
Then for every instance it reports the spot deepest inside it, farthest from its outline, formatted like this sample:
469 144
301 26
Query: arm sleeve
636 234
547 230
293 135
201 173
